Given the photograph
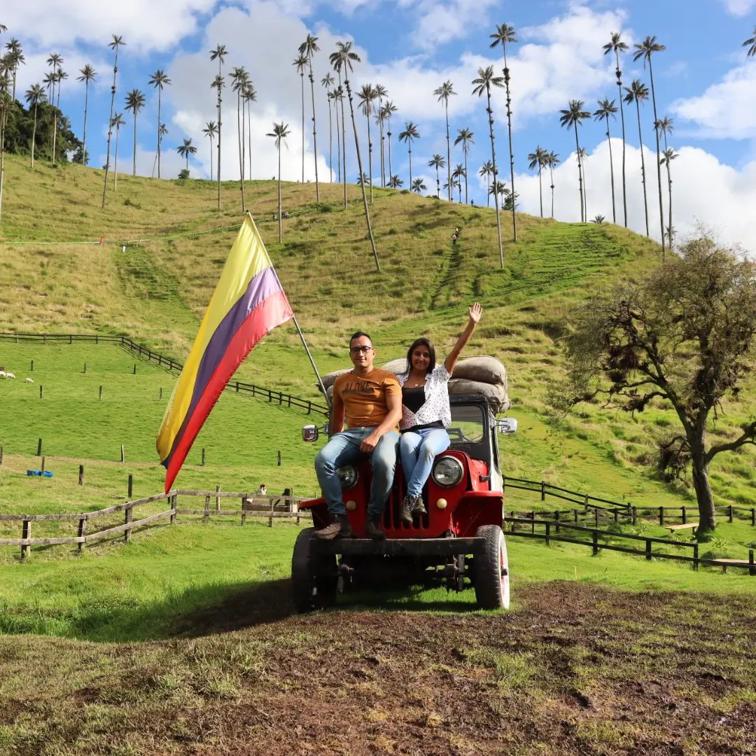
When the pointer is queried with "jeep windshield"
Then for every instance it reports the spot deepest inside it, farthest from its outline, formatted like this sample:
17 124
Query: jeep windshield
467 426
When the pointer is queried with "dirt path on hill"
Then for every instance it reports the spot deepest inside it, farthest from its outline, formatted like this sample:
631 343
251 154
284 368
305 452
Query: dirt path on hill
578 668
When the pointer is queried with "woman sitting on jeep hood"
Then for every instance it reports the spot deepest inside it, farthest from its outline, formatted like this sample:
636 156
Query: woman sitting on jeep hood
426 412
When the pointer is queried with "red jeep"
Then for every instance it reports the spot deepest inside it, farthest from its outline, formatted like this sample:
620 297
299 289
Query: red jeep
459 540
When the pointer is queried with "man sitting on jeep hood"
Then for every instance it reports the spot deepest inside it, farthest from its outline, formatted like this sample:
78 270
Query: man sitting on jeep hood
371 401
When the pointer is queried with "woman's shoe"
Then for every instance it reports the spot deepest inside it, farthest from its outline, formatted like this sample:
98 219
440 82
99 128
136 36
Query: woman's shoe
406 511
418 507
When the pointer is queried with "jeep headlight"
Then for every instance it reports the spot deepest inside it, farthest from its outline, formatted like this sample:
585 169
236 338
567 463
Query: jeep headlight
348 476
447 471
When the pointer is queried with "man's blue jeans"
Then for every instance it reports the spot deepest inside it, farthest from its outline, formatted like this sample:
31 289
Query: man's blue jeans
344 449
418 450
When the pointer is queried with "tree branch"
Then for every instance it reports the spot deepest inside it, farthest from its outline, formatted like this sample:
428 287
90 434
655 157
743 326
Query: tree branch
747 437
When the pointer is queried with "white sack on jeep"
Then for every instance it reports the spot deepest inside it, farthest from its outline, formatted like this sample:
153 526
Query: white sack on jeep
329 378
483 369
397 366
494 393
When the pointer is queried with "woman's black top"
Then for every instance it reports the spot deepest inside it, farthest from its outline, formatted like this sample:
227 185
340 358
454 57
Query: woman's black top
413 399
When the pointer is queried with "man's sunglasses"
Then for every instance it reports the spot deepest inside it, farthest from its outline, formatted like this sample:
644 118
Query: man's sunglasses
358 349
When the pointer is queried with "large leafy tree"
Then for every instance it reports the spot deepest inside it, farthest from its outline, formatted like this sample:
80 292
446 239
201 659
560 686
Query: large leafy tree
87 75
409 135
436 162
617 46
219 54
503 36
308 48
135 101
682 337
637 92
571 118
344 59
482 85
537 159
279 133
365 99
606 110
115 42
646 50
465 138
159 80
443 93
34 96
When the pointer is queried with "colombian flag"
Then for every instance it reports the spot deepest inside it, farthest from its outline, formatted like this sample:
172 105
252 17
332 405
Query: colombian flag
247 304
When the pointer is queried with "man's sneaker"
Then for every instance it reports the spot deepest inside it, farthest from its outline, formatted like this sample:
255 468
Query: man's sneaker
339 528
406 510
374 530
418 507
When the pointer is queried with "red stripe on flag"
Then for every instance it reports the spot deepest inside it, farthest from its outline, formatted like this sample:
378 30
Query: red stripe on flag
264 318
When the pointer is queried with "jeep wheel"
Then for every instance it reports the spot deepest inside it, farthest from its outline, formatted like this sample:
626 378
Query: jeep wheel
491 569
313 577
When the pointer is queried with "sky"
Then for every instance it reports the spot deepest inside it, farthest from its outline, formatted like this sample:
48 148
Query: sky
703 81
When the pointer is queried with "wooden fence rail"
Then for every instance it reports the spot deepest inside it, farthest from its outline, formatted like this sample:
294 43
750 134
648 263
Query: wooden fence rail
270 395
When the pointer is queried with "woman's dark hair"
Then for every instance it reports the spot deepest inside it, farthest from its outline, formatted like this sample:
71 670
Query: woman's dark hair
422 341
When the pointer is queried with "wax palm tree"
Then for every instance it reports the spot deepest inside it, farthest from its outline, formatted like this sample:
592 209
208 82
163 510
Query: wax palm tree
327 81
552 160
88 74
162 131
607 109
465 138
483 83
248 95
135 101
308 48
381 93
418 185
645 50
344 58
159 80
637 92
616 46
239 83
13 59
750 43
572 117
387 111
300 63
443 93
437 161
337 62
186 150
54 60
337 96
582 157
34 96
666 127
395 182
537 159
598 220
409 134
503 35
457 175
115 42
118 121
219 54
211 131
486 173
279 133
365 98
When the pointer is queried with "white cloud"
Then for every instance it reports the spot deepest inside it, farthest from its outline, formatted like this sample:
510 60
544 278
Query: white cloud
144 24
704 191
739 7
725 109
439 23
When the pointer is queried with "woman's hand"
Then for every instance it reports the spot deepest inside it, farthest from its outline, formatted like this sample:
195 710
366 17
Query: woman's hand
475 312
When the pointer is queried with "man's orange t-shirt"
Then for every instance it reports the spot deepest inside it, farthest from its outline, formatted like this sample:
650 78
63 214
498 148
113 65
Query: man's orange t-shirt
364 397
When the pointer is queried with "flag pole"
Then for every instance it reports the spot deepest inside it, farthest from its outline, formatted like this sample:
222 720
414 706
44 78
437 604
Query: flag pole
299 330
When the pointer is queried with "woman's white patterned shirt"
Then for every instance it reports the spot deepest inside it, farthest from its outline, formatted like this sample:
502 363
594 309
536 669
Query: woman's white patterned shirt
436 405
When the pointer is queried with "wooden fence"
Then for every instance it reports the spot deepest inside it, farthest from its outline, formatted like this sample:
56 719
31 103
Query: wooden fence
553 530
251 505
239 387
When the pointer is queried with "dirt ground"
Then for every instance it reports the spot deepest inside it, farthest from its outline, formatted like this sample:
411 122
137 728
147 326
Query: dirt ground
575 668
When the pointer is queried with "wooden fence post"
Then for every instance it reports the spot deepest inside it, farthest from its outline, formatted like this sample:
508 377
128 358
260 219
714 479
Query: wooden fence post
751 565
243 511
661 515
548 533
729 513
81 475
575 513
217 498
594 542
100 392
130 486
25 534
753 515
173 508
81 532
206 515
695 556
203 456
134 373
684 514
39 447
543 490
128 516
633 515
270 515
42 464
556 517
532 522
123 454
648 549
1 455
595 516
279 458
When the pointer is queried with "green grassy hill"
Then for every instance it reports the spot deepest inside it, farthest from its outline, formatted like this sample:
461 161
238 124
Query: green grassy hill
56 276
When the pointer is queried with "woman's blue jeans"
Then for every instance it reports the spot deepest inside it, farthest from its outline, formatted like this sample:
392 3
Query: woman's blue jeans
418 449
344 449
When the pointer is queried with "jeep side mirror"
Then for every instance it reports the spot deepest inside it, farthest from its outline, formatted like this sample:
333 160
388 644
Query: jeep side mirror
507 425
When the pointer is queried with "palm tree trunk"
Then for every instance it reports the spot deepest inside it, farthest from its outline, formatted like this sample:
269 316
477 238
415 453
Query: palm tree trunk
409 152
448 150
383 160
220 127
159 136
388 139
551 180
658 157
511 153
84 140
370 155
643 165
464 149
494 178
110 126
133 151
315 136
540 188
249 137
212 148
301 79
618 73
585 192
240 138
280 202
330 143
359 168
343 147
580 173
34 135
115 161
611 168
338 141
438 185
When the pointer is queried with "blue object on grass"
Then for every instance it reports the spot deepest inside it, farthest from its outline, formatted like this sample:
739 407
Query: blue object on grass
40 473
